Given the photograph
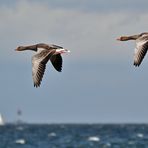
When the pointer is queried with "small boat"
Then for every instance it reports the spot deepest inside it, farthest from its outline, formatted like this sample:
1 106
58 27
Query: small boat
1 121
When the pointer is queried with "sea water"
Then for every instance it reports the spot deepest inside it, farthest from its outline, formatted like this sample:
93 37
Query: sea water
74 136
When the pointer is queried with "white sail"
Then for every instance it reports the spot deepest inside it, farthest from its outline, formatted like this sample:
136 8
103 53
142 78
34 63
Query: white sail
1 120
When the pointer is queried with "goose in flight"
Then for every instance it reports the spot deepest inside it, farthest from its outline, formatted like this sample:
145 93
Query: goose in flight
141 46
45 53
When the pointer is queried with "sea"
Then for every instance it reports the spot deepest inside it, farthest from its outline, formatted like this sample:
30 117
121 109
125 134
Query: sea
74 136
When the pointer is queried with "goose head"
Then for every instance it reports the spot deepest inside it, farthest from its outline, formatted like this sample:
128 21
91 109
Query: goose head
126 38
20 48
132 37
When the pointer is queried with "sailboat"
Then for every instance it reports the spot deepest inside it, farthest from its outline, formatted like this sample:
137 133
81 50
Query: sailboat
1 121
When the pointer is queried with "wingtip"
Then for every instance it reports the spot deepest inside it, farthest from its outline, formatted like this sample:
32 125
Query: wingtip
136 65
59 70
36 85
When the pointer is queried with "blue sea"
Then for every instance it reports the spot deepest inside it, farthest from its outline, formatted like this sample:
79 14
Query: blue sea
74 136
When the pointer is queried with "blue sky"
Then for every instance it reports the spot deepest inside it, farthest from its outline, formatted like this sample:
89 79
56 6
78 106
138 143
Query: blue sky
98 84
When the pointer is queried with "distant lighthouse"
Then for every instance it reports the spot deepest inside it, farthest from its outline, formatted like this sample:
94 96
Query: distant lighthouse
19 114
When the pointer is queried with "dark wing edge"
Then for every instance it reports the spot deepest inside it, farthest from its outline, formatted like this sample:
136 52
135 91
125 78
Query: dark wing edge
56 61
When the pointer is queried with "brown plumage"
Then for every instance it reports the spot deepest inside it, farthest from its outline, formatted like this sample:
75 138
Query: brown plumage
44 54
141 46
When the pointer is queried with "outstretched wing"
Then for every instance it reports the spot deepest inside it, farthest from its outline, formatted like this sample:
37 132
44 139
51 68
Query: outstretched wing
140 52
56 61
39 65
38 69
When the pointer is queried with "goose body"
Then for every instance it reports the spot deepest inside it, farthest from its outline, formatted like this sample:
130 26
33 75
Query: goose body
44 53
141 46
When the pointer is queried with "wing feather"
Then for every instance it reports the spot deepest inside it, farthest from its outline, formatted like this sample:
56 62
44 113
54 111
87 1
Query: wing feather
39 65
140 52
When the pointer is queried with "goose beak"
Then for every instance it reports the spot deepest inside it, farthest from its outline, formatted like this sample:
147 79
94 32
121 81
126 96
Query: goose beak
118 39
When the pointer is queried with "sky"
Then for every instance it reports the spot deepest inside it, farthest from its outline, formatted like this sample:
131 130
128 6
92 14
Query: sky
98 83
